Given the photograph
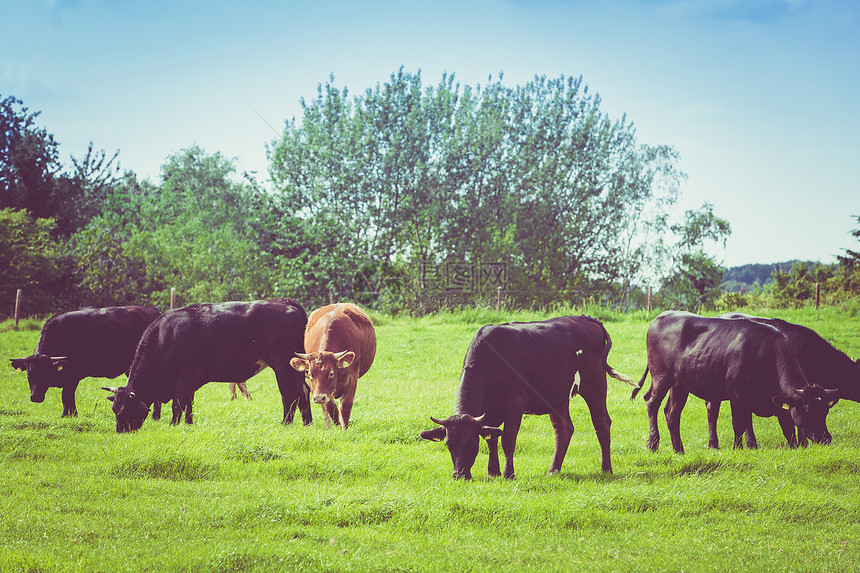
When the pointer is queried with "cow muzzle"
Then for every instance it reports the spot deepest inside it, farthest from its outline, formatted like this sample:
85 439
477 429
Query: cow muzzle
321 398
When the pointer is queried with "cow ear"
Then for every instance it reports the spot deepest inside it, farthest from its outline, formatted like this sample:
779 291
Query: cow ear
434 435
488 432
299 364
19 364
345 360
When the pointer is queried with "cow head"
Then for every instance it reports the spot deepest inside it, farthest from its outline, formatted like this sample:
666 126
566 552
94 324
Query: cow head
130 410
43 372
809 410
462 434
321 370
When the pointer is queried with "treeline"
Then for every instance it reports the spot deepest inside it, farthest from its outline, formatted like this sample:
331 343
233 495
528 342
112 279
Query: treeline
404 198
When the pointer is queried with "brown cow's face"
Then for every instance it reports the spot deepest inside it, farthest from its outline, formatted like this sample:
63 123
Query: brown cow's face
809 410
321 371
462 434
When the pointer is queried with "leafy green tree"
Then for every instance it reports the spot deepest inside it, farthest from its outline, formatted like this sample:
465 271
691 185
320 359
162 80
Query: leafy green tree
195 232
28 161
28 256
535 177
694 277
798 286
847 273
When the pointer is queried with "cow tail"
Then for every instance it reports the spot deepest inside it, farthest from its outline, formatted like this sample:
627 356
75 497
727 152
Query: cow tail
639 387
609 369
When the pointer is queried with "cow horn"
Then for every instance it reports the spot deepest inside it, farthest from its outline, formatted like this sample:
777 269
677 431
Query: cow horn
59 357
801 391
480 419
339 355
440 422
302 356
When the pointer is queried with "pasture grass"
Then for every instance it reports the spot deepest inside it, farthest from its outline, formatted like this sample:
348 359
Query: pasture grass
237 491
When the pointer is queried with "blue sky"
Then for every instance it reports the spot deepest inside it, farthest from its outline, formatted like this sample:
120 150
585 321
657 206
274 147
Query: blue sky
761 98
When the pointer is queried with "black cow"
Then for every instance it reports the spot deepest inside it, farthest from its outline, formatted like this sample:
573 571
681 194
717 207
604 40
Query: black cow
527 368
90 342
222 342
822 365
746 362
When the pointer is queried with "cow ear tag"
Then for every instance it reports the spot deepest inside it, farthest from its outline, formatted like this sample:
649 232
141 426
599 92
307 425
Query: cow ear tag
785 406
59 367
345 364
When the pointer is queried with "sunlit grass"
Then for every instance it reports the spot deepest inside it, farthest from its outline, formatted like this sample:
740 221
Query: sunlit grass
239 491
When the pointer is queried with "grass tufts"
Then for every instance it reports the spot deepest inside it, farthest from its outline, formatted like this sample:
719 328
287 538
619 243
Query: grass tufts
254 453
174 467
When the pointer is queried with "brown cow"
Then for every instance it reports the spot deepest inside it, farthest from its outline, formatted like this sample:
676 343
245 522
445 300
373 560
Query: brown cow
340 343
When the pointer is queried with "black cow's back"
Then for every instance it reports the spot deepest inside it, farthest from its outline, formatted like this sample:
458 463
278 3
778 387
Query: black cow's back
99 342
215 342
720 359
533 361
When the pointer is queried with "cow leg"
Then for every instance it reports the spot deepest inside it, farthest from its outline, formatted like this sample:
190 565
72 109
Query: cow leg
156 410
509 444
493 469
330 412
742 424
68 395
189 410
243 388
177 412
182 404
593 391
346 403
652 406
713 413
563 427
294 393
674 406
231 388
788 429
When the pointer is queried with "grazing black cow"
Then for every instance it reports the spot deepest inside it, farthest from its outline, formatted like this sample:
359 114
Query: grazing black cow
527 368
746 362
822 365
90 342
223 342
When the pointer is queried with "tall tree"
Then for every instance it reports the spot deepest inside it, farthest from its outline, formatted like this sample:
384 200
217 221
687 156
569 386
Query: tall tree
28 261
195 232
694 276
535 177
28 161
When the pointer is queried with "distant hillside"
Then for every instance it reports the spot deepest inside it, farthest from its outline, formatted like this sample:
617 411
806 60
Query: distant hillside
744 277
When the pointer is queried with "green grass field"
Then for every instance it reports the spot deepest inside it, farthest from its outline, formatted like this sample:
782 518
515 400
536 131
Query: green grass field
237 491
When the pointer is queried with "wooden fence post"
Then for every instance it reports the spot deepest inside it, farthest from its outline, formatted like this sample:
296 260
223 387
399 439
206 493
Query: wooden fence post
649 300
498 298
17 307
172 298
817 295
331 295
